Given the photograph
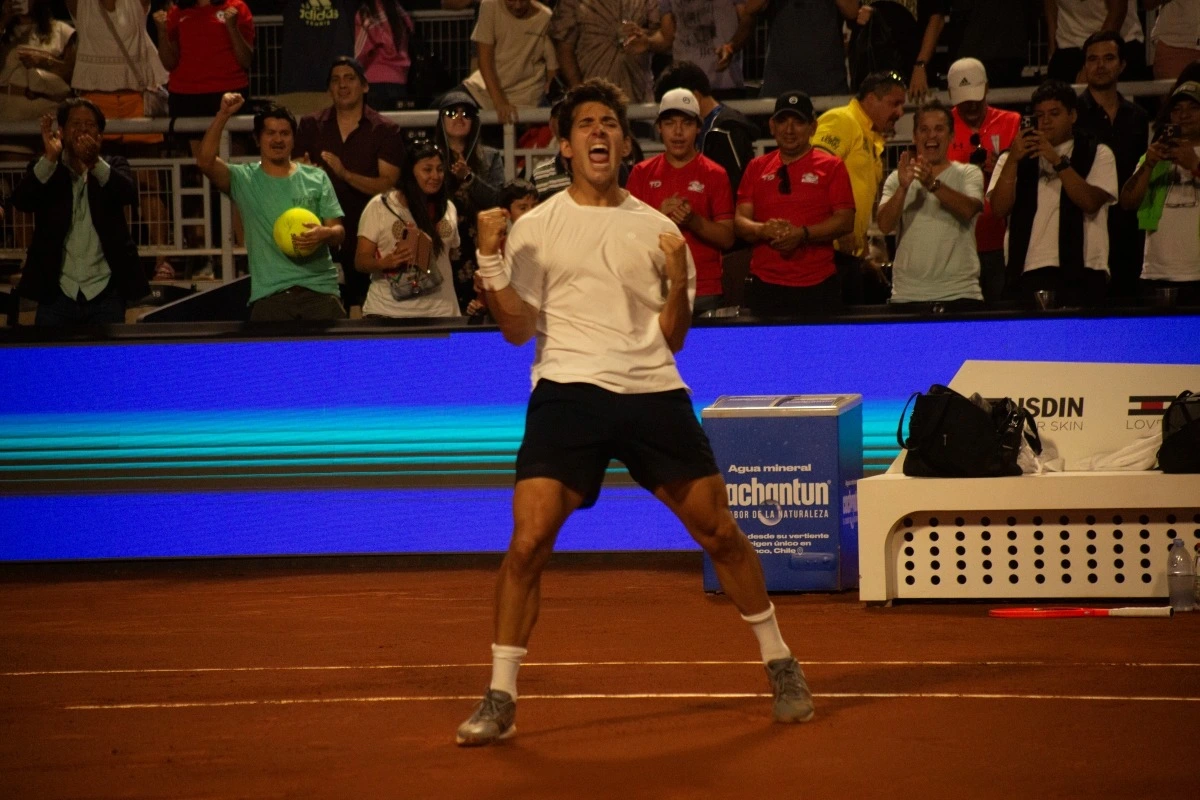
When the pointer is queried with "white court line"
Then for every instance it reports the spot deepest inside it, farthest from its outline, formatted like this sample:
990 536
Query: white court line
639 696
535 664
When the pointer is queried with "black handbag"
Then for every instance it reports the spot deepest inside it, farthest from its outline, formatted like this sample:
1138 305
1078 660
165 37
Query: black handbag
1180 450
951 436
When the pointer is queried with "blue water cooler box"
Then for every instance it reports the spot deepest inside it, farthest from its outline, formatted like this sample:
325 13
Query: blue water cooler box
791 465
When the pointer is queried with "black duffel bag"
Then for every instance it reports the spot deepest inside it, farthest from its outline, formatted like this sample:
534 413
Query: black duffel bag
1180 451
951 436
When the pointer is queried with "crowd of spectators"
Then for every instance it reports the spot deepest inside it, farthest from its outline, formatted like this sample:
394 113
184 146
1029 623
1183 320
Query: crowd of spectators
987 206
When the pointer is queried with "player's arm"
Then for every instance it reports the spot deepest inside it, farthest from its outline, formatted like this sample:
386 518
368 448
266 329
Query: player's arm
213 167
516 318
675 319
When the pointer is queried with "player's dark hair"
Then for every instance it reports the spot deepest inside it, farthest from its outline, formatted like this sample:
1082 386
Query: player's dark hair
593 90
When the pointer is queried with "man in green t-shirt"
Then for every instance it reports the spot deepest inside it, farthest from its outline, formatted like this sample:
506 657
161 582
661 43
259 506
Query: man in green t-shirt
281 287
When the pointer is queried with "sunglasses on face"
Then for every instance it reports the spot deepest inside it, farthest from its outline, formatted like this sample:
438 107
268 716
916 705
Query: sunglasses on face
456 113
785 180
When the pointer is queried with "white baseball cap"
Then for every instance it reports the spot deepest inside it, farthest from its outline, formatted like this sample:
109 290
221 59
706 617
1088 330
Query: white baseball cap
968 81
681 100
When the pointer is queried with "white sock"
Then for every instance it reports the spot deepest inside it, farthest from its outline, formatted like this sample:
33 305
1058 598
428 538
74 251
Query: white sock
766 629
506 660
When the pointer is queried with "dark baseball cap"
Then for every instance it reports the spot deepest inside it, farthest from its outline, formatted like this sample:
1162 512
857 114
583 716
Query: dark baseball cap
797 103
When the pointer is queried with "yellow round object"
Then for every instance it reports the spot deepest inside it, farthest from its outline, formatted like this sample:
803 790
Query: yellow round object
291 223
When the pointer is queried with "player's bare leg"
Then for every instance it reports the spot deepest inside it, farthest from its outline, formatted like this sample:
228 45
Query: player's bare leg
540 507
703 507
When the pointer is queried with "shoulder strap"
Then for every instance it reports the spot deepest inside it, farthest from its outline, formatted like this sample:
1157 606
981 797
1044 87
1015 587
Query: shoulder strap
383 199
120 45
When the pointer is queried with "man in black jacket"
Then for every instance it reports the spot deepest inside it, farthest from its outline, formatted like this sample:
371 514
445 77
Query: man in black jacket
82 266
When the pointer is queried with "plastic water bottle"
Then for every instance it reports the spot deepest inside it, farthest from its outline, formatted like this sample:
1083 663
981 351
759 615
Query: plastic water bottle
1197 592
1181 577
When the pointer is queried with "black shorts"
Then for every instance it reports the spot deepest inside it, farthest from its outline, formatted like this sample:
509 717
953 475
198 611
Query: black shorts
572 431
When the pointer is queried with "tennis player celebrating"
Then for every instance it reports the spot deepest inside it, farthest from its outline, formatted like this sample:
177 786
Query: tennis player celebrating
605 283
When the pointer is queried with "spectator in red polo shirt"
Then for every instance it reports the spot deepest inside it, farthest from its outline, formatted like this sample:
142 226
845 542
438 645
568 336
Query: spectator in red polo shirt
690 189
981 134
360 150
208 47
792 204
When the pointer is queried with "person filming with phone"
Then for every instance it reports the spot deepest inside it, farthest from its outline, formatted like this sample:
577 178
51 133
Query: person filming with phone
1055 187
1165 192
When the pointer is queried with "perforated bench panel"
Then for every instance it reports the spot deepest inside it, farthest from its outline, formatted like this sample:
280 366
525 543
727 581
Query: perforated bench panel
1054 553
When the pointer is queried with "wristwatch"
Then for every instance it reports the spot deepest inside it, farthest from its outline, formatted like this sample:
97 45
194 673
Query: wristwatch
1063 165
937 184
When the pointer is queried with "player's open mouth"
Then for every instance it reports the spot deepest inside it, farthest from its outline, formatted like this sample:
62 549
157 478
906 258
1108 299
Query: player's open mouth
930 145
598 154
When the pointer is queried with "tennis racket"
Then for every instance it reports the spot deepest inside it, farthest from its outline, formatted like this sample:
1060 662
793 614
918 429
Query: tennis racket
1054 613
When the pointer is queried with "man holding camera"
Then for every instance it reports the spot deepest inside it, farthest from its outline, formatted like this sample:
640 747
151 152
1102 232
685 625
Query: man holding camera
1125 127
1057 185
1165 193
981 133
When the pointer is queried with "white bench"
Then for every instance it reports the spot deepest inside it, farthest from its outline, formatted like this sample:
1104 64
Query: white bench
1055 535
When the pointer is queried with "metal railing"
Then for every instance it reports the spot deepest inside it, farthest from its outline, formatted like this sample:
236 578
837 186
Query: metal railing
176 214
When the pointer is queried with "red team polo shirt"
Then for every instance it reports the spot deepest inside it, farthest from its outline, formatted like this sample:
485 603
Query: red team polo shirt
1003 125
820 186
206 61
702 182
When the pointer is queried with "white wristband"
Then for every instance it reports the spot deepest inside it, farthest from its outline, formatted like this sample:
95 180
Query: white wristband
492 272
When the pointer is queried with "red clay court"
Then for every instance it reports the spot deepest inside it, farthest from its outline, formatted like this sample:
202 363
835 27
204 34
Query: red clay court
338 678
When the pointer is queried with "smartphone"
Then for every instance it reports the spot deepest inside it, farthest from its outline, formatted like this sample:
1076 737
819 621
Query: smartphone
1029 122
1168 133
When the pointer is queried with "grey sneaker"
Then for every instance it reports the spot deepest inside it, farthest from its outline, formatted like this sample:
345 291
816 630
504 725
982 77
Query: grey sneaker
793 700
494 719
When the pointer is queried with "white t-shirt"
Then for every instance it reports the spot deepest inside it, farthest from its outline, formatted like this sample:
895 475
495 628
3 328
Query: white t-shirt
378 224
1043 239
524 53
1173 251
100 66
1079 19
1178 24
595 274
937 257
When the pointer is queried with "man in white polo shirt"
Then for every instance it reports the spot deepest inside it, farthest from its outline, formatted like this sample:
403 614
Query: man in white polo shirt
604 282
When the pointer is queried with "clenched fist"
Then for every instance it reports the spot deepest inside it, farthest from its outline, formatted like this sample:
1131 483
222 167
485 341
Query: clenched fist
230 103
675 249
491 228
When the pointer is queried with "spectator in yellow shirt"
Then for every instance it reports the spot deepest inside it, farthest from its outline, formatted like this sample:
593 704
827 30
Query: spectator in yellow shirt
856 133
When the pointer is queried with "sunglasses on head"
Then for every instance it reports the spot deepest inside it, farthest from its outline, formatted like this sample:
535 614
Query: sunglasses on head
785 180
